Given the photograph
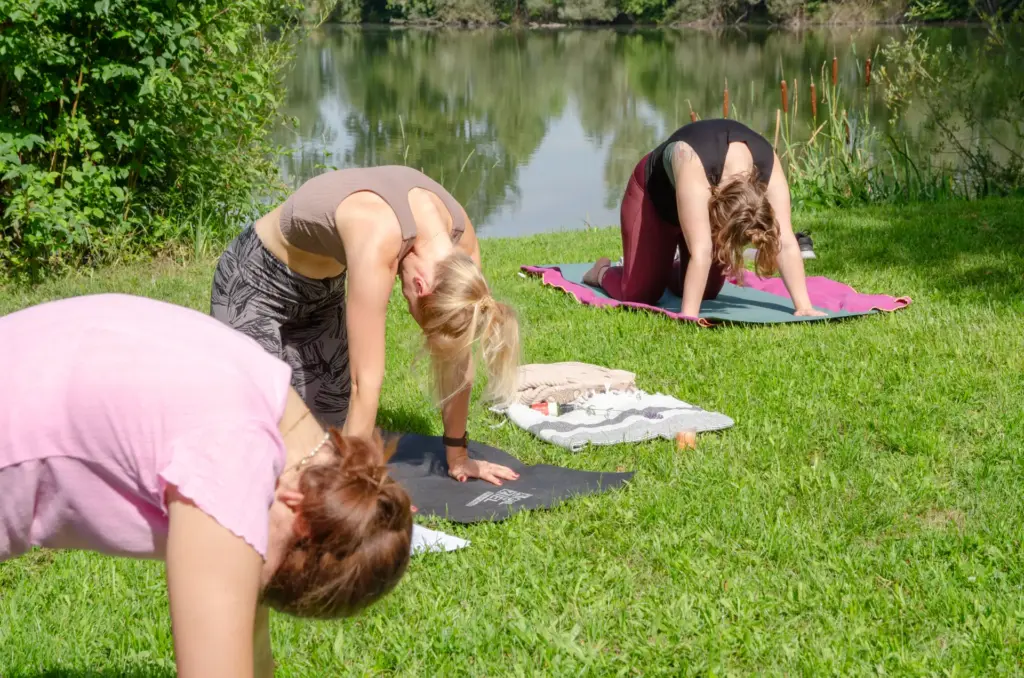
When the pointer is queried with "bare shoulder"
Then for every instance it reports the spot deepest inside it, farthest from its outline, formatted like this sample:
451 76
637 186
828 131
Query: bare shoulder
686 163
778 173
683 152
738 157
368 228
687 166
429 210
435 201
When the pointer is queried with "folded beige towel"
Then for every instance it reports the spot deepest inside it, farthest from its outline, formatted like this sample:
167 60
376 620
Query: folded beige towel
565 382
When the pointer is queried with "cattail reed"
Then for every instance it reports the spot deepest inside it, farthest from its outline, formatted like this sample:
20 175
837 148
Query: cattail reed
693 117
814 102
725 101
785 98
867 72
835 71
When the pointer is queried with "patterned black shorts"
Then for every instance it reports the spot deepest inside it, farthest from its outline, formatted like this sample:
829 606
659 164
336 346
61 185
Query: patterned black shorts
297 319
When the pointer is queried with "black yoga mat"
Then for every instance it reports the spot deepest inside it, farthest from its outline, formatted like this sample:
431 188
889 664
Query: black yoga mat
419 465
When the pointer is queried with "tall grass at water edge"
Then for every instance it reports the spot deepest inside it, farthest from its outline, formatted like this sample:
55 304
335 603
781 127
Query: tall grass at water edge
835 155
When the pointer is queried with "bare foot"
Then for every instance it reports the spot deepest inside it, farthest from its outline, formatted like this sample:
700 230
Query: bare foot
596 272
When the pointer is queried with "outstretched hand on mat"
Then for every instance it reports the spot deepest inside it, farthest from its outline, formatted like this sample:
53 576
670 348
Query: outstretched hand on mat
465 468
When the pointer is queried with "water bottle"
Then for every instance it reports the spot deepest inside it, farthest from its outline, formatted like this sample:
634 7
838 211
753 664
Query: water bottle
550 408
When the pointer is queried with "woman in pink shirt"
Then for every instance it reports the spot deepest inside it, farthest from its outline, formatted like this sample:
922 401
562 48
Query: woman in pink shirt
138 428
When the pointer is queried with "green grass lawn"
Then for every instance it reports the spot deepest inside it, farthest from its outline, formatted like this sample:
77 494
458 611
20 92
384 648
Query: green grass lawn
864 515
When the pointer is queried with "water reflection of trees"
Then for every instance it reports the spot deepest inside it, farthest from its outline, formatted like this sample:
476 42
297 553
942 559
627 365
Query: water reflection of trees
470 108
467 108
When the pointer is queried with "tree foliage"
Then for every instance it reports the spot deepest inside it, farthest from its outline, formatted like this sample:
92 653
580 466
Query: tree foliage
667 11
120 119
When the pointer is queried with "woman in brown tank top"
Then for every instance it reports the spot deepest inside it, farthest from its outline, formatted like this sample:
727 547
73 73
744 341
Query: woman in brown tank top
282 281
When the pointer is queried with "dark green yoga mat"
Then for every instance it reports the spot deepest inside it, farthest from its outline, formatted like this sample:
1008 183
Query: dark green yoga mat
738 304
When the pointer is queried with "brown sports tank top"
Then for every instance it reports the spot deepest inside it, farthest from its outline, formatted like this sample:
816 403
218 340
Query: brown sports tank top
307 219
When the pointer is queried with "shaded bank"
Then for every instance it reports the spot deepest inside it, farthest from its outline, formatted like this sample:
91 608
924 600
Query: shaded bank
541 13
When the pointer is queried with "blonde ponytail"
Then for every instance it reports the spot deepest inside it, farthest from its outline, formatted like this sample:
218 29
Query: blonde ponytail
458 313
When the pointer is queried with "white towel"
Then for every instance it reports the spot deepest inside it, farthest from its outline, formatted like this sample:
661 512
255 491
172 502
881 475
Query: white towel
617 417
424 540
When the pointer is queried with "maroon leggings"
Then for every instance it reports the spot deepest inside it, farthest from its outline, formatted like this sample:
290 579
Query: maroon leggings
649 247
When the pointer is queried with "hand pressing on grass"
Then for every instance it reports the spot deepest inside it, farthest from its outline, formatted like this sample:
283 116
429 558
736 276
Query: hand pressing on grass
462 468
809 312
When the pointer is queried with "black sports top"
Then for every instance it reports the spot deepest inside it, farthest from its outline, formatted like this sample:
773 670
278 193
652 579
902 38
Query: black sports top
710 140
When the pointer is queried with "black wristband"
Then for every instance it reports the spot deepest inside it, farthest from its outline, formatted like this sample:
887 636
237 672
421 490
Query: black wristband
456 442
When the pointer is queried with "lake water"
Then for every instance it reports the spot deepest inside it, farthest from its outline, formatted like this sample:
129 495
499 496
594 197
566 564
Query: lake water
537 131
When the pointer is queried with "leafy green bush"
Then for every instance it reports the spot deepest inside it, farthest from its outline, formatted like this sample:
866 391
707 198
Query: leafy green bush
589 11
120 120
469 11
784 10
951 10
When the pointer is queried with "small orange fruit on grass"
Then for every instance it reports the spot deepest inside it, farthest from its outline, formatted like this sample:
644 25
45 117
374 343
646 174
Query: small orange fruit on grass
686 440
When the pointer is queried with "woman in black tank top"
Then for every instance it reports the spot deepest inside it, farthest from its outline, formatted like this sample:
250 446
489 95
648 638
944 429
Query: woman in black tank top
691 195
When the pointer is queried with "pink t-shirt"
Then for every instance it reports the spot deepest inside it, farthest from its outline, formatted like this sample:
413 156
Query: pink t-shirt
107 399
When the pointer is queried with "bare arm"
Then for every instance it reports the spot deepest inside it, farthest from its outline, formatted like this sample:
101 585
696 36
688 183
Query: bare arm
371 276
791 264
213 583
692 196
455 412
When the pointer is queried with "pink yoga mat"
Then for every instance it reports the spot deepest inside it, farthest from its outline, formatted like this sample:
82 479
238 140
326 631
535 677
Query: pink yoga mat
829 294
757 301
